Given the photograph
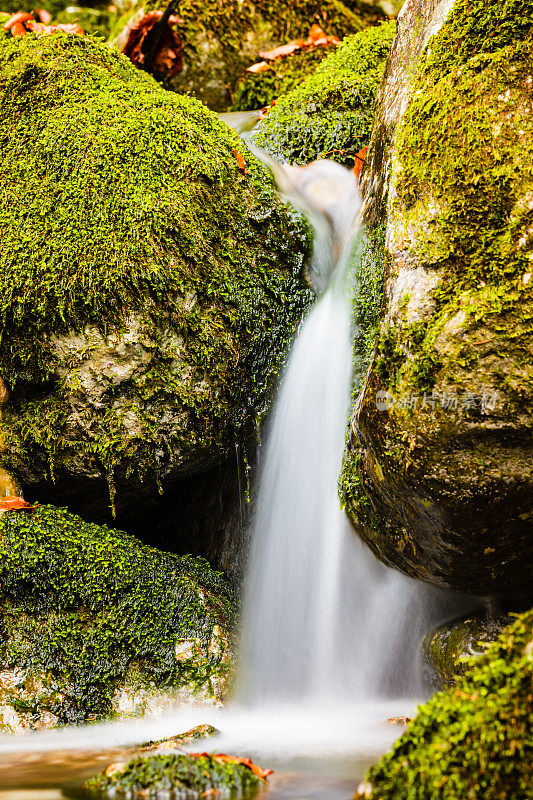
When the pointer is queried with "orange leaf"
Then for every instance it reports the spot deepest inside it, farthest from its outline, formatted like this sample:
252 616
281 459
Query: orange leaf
12 503
359 161
241 163
16 19
282 50
18 29
44 15
261 66
38 27
222 758
71 27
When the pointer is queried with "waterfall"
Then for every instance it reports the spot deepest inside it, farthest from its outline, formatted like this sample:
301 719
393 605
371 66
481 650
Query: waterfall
322 617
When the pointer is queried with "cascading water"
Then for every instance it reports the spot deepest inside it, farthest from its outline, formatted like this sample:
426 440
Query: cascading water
322 618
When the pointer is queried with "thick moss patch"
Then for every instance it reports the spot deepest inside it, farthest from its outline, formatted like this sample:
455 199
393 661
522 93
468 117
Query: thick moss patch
87 610
186 776
124 205
330 114
474 740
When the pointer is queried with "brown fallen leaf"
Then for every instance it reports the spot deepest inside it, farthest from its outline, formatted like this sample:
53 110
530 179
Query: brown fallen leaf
399 720
241 163
44 15
168 59
282 50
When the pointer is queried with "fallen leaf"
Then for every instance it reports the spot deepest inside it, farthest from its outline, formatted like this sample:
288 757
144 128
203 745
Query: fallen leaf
241 163
168 58
15 19
12 503
261 66
281 51
112 769
359 161
222 758
70 27
44 15
18 29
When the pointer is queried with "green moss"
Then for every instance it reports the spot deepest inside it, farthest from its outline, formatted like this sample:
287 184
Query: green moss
85 608
367 300
473 740
330 114
255 91
190 776
465 142
123 198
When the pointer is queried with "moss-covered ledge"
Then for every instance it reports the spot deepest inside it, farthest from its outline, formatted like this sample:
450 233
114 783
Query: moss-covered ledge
95 624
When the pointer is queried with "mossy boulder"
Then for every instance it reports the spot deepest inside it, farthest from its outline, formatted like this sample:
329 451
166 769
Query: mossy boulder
223 37
448 651
149 285
473 740
438 475
95 624
184 776
330 114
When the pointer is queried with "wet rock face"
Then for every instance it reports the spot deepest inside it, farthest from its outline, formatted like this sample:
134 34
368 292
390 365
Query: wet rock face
94 624
450 649
143 328
438 476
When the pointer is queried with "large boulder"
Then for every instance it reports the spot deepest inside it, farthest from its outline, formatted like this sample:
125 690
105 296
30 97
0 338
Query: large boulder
438 475
150 282
222 37
95 624
474 739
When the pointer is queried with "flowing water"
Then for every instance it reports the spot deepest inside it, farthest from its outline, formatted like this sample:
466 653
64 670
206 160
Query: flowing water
330 636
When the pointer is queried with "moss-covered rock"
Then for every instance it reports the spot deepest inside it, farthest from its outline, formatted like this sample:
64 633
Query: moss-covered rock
187 777
473 740
223 37
95 624
448 651
330 114
149 286
438 477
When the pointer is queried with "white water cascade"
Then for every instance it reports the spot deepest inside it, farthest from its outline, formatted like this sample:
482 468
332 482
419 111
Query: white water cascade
322 618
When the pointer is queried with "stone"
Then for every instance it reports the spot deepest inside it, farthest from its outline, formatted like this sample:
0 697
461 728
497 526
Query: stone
438 473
